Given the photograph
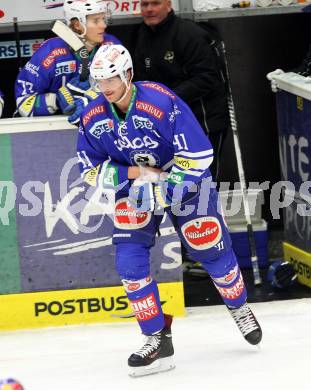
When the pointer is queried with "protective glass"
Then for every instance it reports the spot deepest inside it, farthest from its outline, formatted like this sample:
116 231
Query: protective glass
111 84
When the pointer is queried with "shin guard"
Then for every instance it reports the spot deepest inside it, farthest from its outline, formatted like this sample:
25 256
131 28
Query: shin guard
227 277
145 300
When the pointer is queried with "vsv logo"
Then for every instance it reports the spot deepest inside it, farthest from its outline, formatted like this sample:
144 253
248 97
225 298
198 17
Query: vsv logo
136 143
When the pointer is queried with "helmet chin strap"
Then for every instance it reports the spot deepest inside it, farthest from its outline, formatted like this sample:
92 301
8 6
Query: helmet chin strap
128 86
82 36
88 44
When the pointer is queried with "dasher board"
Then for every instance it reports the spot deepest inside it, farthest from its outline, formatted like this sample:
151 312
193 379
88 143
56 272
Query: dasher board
295 84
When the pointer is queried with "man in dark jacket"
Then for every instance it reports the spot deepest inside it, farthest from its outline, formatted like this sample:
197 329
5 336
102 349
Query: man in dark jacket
176 52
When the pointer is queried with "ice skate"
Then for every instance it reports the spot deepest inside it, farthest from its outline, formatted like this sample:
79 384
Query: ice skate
247 323
156 355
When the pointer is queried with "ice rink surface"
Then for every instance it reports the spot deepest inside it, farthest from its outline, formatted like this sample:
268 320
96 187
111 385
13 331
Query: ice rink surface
210 353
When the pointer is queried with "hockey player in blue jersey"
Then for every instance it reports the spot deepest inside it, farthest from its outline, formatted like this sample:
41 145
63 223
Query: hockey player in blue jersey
143 141
49 83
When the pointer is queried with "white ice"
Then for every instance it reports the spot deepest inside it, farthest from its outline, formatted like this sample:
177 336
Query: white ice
210 353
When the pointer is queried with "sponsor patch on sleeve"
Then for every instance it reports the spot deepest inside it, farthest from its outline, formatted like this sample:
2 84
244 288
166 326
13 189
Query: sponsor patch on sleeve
176 177
90 177
185 163
50 58
111 176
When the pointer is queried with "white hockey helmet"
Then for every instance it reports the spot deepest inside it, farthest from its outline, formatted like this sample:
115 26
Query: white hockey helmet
110 61
81 8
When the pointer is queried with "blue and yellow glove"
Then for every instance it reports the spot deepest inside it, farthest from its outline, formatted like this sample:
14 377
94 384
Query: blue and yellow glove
75 85
80 104
65 101
71 105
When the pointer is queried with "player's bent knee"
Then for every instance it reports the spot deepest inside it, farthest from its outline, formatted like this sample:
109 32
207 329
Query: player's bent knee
132 261
221 265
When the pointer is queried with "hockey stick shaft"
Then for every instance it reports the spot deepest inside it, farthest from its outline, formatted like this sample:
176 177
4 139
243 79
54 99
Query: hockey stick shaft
18 44
237 148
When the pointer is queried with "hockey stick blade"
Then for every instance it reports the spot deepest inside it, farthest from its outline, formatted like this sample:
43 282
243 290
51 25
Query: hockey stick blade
66 34
63 31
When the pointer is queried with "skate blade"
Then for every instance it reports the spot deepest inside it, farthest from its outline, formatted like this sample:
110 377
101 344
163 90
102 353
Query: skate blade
160 365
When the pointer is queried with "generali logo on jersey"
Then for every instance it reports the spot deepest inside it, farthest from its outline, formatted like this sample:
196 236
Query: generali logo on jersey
150 109
145 308
159 88
94 111
202 233
50 59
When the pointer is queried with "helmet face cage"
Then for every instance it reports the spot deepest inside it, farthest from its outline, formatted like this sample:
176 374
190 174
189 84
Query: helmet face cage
80 9
95 84
110 61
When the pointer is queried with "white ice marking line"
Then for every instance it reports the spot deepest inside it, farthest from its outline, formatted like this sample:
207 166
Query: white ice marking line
44 243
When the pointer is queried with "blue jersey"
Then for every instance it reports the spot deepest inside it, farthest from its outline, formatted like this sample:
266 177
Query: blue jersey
51 67
159 130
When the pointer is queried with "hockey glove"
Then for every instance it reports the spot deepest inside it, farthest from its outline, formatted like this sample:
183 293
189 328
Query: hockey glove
81 87
80 102
270 77
75 85
151 174
141 195
91 95
146 196
65 101
281 274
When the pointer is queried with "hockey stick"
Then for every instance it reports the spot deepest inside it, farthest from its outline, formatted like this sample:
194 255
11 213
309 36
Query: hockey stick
65 32
18 44
237 147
